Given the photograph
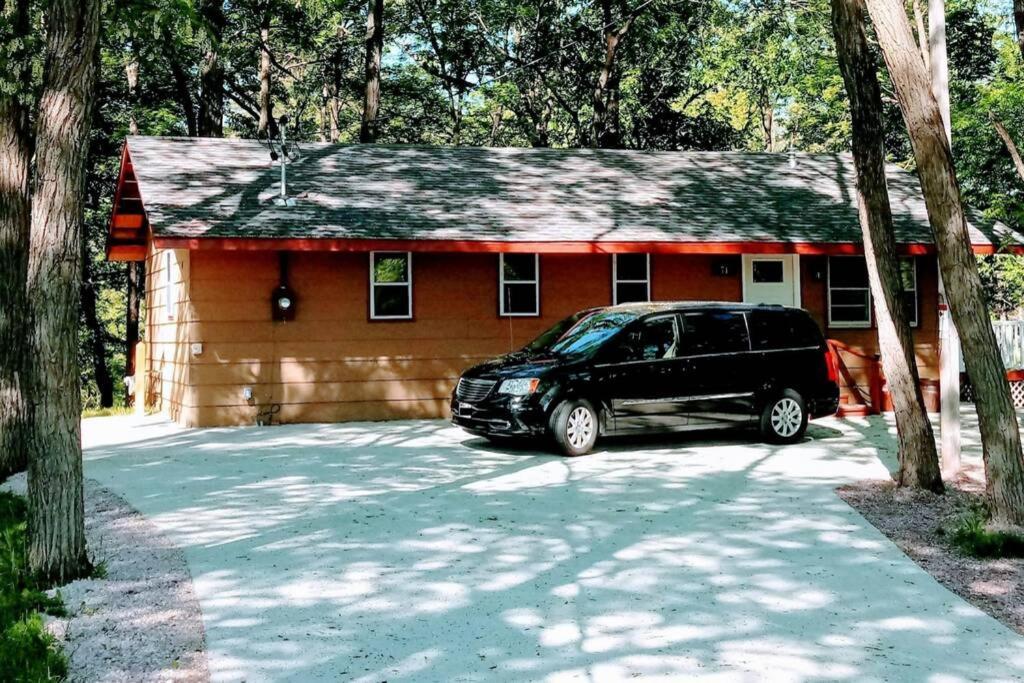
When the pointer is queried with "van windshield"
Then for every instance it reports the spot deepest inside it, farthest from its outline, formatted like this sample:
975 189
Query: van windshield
580 334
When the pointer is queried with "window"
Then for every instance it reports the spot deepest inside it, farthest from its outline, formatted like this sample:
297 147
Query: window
782 330
849 296
908 273
767 271
390 285
519 284
714 332
631 278
169 292
654 339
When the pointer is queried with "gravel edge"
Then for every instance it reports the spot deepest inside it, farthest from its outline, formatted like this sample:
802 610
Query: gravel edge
913 520
141 620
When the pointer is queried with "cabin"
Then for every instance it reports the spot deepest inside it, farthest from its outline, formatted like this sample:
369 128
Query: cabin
381 272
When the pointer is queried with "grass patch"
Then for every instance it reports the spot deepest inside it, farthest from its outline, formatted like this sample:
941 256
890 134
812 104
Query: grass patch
27 652
106 412
971 537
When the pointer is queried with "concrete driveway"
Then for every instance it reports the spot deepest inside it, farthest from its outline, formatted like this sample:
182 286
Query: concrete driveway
411 551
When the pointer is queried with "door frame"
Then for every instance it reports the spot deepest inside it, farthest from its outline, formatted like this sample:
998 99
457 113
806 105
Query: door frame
746 266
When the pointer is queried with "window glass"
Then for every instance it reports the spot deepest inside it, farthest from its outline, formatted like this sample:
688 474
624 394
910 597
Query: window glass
767 271
657 339
522 267
390 268
519 283
390 285
849 296
714 332
590 333
631 278
908 273
782 329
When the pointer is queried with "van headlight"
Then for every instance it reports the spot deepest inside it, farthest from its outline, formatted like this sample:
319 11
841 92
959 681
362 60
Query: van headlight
519 387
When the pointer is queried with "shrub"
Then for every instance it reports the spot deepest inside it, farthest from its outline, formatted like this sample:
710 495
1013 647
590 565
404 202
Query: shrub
27 652
972 537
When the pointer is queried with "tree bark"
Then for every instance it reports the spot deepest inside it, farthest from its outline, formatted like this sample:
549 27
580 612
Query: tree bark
919 460
131 73
374 50
1011 147
922 34
1018 22
182 86
56 539
211 76
607 126
15 214
266 106
1001 446
136 288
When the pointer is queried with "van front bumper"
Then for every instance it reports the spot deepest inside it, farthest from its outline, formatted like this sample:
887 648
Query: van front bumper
499 418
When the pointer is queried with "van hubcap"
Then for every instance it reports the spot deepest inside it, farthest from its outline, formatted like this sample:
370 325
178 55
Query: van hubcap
786 417
580 427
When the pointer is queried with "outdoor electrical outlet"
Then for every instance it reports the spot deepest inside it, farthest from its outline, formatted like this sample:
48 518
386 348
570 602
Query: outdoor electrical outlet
197 348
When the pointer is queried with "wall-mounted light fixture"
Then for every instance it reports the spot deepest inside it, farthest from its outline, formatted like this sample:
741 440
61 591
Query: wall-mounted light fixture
725 266
283 301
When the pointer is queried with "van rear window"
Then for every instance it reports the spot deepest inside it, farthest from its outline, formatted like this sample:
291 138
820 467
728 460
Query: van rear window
782 330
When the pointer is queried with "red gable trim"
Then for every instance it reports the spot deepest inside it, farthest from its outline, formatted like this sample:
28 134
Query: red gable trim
474 246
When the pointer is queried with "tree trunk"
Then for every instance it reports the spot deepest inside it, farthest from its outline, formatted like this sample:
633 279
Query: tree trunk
922 34
136 289
1018 22
97 342
1001 446
15 214
1011 147
919 460
56 543
182 85
374 48
131 73
266 107
607 133
211 76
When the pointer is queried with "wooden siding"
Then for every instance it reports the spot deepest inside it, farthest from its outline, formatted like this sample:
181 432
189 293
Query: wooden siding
334 364
167 329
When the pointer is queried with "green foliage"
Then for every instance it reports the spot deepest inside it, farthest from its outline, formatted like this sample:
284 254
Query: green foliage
971 536
27 652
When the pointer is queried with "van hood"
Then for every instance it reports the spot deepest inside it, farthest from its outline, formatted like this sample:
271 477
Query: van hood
516 364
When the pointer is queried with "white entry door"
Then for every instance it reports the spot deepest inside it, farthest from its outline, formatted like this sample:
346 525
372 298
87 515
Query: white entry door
771 279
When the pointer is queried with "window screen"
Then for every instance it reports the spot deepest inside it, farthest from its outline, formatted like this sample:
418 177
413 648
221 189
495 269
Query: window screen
849 295
390 285
631 278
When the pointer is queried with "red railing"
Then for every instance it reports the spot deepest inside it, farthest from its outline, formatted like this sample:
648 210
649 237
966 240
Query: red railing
871 398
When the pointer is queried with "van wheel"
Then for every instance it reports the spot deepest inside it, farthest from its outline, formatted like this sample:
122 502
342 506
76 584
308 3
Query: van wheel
784 418
574 425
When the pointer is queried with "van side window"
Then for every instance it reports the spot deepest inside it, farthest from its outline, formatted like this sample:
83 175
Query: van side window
714 332
770 330
653 340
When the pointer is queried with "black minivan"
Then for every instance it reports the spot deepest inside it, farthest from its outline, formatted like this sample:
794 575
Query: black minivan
636 368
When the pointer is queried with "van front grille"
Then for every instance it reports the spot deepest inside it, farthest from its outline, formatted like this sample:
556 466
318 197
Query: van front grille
471 390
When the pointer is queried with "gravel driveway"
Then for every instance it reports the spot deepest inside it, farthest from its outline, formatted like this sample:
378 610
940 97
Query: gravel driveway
411 551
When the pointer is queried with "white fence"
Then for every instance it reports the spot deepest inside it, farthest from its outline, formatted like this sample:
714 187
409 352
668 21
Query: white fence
1010 337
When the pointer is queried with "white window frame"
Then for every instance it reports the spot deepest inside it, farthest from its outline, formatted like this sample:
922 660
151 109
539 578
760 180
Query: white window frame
915 321
846 324
616 281
374 284
169 291
501 288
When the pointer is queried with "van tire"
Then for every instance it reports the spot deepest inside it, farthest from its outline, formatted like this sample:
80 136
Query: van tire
574 424
784 418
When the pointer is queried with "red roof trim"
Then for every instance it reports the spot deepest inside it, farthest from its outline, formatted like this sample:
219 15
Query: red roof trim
480 246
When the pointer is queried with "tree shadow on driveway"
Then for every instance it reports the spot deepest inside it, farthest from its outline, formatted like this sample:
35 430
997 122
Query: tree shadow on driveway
408 551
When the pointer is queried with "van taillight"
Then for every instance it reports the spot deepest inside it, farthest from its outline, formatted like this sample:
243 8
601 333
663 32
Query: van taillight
830 366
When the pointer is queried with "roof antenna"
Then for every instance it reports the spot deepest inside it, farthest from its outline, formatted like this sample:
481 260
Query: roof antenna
283 153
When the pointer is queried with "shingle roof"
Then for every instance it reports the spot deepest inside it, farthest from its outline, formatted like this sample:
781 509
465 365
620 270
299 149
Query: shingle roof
204 187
